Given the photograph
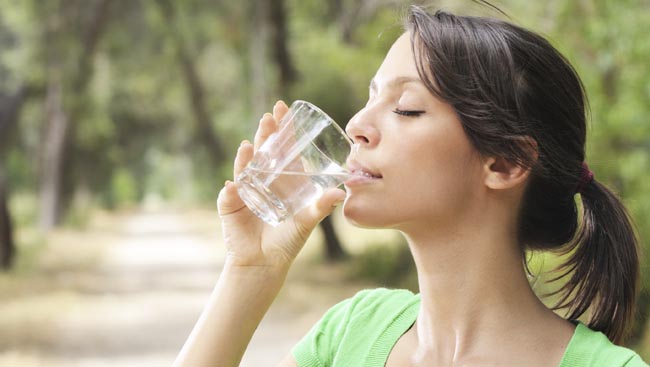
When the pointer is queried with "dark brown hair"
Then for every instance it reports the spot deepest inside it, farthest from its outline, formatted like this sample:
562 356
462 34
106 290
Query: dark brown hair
509 85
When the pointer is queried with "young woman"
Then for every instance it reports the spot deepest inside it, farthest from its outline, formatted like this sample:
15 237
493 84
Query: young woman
474 135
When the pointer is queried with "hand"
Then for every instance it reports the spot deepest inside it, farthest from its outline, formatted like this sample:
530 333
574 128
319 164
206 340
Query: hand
249 240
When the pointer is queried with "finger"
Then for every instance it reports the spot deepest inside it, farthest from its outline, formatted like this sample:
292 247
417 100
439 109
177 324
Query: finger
309 217
229 201
279 110
267 126
244 155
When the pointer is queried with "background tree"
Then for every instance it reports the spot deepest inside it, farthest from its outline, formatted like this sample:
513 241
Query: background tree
9 109
76 25
106 104
288 75
204 132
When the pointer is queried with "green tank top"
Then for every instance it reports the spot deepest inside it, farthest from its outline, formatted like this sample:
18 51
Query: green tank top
362 330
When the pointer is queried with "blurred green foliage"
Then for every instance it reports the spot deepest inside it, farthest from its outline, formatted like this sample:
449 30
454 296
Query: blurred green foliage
134 135
388 265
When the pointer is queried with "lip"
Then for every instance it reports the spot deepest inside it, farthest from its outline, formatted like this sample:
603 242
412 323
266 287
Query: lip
361 173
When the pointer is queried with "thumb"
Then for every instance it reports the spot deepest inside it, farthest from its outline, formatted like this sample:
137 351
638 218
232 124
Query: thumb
313 214
229 201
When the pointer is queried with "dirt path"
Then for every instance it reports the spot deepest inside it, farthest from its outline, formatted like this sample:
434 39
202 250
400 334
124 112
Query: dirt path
127 291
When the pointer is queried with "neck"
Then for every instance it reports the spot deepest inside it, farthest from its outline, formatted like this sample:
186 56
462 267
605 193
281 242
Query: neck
473 288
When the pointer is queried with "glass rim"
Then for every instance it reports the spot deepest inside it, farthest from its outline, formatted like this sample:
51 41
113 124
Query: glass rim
333 122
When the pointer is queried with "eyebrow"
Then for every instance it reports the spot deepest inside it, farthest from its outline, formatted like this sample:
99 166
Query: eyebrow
395 82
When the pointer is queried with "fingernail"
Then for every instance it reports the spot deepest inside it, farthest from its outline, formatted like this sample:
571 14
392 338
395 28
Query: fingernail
337 203
244 142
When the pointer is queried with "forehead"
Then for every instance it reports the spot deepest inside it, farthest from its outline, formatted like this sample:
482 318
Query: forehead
398 63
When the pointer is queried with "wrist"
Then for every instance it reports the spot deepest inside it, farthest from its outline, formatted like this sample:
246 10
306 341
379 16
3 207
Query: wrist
258 264
259 273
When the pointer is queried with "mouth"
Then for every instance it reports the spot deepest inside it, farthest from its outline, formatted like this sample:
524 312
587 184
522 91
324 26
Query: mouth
361 173
365 173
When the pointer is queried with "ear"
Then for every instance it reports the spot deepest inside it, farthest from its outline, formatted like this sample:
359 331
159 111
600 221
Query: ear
501 173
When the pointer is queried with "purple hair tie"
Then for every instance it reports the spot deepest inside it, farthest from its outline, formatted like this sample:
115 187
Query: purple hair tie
586 176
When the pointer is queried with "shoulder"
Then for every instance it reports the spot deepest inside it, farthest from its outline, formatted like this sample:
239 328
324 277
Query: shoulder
592 348
356 321
369 305
380 299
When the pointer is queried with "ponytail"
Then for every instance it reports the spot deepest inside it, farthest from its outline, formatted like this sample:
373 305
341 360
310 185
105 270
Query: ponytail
603 265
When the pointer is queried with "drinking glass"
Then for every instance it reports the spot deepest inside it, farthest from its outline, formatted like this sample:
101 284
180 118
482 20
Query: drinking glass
295 165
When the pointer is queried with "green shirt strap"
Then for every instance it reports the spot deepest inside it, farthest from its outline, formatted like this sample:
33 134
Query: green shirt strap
592 348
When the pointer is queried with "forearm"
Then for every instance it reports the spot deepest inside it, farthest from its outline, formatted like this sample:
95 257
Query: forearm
237 305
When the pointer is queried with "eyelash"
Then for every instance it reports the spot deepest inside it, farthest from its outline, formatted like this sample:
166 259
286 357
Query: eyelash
408 113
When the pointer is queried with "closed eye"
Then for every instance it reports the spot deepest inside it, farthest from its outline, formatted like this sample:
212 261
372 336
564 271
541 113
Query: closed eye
409 113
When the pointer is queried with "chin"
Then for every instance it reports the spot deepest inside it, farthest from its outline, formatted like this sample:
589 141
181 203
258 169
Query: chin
365 217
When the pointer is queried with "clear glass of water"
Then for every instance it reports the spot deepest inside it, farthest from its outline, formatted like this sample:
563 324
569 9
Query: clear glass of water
295 165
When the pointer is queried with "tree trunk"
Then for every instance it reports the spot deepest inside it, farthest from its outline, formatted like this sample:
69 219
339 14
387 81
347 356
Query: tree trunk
356 13
281 54
7 246
333 249
92 34
54 141
59 122
204 131
258 59
348 18
334 9
288 75
10 106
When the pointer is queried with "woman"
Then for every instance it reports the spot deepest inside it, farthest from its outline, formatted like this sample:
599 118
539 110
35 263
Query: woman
474 135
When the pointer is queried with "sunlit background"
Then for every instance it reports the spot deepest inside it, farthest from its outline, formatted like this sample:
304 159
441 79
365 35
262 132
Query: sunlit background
119 120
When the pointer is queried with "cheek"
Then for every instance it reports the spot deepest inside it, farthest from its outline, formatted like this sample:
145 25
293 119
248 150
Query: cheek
440 195
436 182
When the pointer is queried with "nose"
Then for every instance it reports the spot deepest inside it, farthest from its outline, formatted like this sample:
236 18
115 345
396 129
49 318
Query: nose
362 130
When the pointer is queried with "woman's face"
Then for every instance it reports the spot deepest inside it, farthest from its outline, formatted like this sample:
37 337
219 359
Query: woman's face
425 172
